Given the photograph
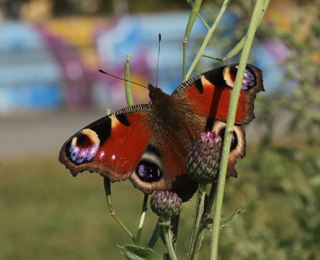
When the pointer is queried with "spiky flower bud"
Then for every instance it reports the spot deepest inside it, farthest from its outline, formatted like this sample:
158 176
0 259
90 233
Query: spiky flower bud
203 159
165 203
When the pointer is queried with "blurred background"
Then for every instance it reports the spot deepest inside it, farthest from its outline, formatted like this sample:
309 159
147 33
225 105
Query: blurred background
50 87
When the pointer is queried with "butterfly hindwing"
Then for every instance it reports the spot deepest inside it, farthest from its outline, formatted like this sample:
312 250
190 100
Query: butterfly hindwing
207 97
163 164
238 145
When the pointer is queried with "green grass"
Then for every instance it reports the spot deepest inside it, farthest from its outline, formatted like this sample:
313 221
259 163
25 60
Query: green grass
47 214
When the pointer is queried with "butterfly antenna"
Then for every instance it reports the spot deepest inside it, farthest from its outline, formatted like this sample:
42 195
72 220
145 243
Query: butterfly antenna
109 74
157 73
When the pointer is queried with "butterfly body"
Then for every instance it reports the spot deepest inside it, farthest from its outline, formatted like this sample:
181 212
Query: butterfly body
149 143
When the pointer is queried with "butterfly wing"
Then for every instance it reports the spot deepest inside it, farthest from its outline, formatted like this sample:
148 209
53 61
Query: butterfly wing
111 146
149 143
131 143
162 166
238 145
206 99
208 94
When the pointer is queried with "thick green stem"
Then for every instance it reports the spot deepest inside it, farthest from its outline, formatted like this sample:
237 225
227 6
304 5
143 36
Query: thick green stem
258 9
193 250
168 237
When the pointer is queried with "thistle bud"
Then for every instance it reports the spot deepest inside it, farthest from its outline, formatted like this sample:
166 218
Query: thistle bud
203 159
165 203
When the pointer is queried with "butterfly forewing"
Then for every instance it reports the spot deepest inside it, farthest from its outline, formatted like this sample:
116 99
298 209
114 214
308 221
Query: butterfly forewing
111 146
208 94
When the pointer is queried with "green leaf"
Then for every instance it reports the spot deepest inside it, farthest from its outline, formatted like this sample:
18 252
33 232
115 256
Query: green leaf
225 220
134 252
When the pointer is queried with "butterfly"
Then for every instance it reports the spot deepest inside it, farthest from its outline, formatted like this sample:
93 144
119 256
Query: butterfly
148 143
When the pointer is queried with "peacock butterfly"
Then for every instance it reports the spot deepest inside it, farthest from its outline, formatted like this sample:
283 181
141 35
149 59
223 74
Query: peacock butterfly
148 143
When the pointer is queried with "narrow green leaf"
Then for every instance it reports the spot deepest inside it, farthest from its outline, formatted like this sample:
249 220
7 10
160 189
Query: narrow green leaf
225 220
133 252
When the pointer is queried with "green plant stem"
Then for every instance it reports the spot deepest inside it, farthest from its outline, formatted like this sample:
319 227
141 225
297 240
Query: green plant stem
142 218
210 200
127 81
193 249
107 189
175 228
198 243
190 2
206 39
240 44
192 18
106 181
211 57
168 237
155 234
230 124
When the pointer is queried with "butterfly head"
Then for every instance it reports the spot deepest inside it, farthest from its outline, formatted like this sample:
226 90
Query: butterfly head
154 92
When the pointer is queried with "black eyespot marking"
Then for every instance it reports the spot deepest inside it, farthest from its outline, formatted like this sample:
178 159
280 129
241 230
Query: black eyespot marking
249 80
123 119
102 128
153 150
234 140
83 147
148 172
199 86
